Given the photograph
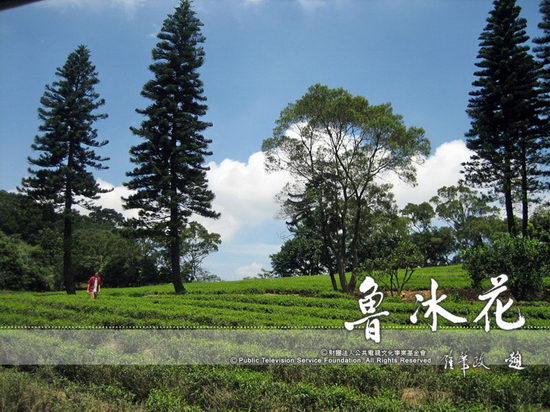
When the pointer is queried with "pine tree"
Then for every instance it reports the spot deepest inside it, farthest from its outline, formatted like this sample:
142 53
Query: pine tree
67 143
503 109
543 54
170 179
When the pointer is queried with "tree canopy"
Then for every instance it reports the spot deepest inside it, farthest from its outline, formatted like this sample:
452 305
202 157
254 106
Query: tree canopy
62 175
169 179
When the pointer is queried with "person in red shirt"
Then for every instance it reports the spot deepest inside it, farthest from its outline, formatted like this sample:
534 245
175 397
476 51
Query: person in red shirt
94 285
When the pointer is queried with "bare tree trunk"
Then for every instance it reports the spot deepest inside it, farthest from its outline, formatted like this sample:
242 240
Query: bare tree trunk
354 251
342 274
524 194
331 272
508 201
175 251
68 276
175 247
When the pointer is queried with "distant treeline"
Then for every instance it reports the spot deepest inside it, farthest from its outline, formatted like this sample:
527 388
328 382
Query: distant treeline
31 248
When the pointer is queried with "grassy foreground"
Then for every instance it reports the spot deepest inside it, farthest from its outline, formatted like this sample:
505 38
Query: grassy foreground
300 301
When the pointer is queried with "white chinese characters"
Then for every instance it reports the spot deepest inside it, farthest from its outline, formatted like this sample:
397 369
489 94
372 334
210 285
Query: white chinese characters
491 295
434 309
368 304
372 299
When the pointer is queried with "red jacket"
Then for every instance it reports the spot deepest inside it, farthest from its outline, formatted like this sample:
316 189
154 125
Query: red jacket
91 282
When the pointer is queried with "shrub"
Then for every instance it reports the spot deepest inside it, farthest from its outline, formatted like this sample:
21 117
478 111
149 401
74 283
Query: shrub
525 261
166 401
22 266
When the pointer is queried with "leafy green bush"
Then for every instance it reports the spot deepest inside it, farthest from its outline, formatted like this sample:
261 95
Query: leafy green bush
166 401
524 261
22 266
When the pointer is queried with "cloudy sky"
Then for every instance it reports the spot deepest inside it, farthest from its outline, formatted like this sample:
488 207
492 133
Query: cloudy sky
260 55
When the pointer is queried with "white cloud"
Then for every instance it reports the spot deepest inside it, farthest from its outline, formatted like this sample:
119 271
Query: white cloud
245 197
248 270
253 249
113 199
245 194
440 169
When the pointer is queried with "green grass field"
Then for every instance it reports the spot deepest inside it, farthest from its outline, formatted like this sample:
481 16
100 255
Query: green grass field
295 302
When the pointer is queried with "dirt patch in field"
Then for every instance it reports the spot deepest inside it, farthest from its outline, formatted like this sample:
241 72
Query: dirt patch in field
415 396
465 294
410 295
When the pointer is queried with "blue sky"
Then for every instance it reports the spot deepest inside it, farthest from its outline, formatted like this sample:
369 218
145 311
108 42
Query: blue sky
260 55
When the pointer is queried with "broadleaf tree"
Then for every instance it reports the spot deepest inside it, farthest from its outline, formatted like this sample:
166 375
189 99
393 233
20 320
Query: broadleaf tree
169 179
470 213
62 171
197 243
335 145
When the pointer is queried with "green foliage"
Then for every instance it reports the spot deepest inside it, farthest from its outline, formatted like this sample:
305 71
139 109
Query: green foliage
67 147
472 217
503 110
123 261
540 224
169 180
332 152
421 215
196 244
360 388
206 276
21 216
166 401
524 261
68 141
101 242
543 54
299 256
400 265
23 267
435 244
294 301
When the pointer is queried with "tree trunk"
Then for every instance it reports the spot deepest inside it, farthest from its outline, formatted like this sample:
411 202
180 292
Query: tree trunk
508 201
333 281
524 196
331 272
175 251
353 279
68 277
175 241
342 274
354 251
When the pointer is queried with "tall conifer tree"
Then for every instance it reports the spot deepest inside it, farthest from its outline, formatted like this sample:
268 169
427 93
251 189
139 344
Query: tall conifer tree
67 143
169 177
542 51
503 109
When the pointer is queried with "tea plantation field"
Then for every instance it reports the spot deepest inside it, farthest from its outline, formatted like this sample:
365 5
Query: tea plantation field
292 302
287 302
